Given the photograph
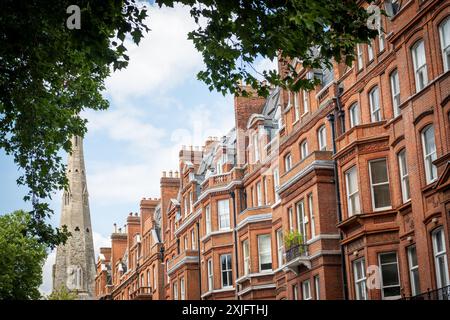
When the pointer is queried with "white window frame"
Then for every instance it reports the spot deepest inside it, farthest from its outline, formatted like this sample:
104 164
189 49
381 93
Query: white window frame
246 256
182 289
395 92
291 219
193 242
374 102
175 290
288 162
296 107
350 196
276 183
360 58
191 201
370 52
186 244
415 287
317 286
373 185
305 102
304 149
420 71
223 217
306 290
354 114
440 255
301 219
256 147
228 272
445 47
360 282
383 286
266 199
429 157
311 214
210 274
404 176
258 194
280 247
264 252
322 138
208 225
295 291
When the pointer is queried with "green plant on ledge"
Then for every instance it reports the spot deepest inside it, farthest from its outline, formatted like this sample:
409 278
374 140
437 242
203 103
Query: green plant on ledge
294 239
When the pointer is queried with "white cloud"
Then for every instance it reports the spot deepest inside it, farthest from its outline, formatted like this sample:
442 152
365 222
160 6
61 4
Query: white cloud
47 271
163 59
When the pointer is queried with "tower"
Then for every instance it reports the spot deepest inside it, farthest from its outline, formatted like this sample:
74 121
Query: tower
75 262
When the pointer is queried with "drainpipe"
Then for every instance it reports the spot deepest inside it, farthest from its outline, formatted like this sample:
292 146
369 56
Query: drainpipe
331 119
236 264
199 261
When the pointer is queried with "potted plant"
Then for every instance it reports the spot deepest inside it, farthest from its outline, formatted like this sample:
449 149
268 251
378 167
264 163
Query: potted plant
294 239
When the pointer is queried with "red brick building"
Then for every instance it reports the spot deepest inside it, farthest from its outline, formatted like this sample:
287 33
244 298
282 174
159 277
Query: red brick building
340 192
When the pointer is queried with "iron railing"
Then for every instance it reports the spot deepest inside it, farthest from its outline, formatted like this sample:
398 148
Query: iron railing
438 294
295 251
141 291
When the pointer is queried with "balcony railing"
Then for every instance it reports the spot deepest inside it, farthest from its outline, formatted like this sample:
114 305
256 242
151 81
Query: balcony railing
296 251
142 293
438 294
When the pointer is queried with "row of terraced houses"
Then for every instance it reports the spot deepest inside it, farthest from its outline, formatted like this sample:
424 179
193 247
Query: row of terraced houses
342 192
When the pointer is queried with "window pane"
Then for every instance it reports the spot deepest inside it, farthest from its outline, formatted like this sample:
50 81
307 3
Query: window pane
388 258
378 171
389 273
381 196
392 291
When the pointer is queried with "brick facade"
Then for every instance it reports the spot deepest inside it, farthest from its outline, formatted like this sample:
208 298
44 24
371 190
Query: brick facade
295 207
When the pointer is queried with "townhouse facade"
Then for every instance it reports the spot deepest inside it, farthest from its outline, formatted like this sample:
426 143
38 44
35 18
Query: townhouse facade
341 192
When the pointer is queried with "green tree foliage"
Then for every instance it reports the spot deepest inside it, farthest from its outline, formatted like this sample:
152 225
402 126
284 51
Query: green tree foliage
62 294
21 258
231 34
48 74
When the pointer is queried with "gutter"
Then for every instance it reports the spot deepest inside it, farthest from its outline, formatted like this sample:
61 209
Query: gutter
331 119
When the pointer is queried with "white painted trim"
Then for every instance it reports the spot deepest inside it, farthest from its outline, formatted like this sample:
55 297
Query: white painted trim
317 164
323 236
254 275
213 233
218 291
185 223
254 219
258 287
186 259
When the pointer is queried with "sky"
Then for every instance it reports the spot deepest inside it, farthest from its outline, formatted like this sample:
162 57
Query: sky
156 106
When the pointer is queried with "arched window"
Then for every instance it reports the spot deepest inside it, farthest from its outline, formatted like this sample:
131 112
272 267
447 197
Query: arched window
420 65
444 31
322 138
304 149
395 91
429 153
354 115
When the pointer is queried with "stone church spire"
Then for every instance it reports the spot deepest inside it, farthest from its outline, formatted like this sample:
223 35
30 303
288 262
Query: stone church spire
75 261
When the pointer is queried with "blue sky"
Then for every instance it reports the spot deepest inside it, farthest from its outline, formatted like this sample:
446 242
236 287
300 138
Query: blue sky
157 105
